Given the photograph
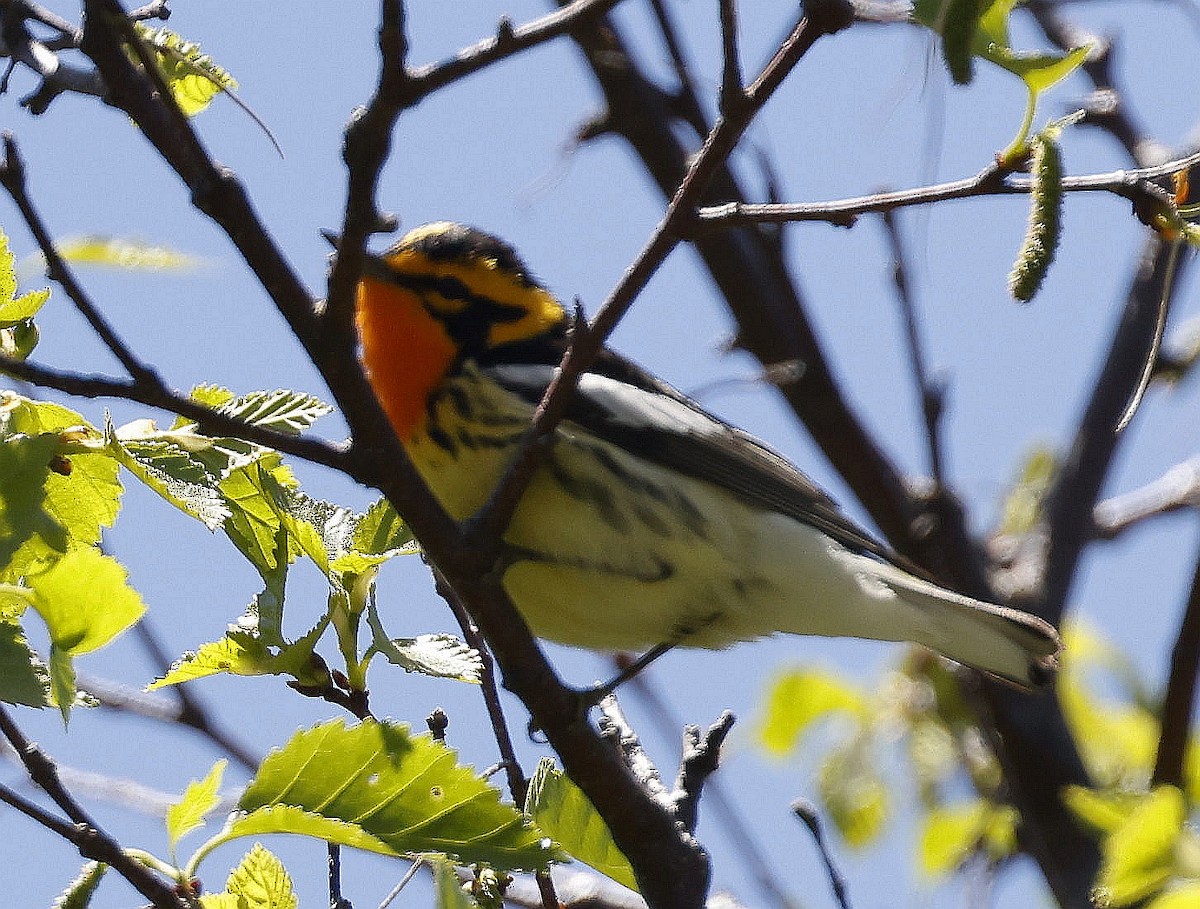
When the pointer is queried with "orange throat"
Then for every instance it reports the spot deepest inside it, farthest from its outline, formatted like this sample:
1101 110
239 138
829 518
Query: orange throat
406 352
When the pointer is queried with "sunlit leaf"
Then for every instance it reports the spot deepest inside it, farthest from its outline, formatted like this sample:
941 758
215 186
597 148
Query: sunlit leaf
449 892
800 698
853 793
951 834
409 791
85 600
261 881
1137 858
1186 896
124 253
78 894
199 798
285 411
561 809
439 655
193 77
171 471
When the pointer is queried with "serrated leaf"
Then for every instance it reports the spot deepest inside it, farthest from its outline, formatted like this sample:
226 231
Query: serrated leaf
22 675
951 835
560 808
243 652
277 819
49 502
261 880
78 894
22 308
223 901
285 411
199 798
8 271
448 891
172 472
193 77
800 698
381 531
409 791
253 495
439 655
124 253
1137 857
85 600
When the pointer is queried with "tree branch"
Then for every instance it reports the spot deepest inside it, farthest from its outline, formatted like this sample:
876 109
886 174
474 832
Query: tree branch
1176 718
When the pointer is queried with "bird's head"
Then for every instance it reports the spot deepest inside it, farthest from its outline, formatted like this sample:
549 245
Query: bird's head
442 294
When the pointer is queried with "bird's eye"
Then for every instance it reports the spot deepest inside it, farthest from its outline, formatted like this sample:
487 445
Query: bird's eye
451 288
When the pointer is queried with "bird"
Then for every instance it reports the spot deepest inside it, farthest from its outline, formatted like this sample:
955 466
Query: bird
648 522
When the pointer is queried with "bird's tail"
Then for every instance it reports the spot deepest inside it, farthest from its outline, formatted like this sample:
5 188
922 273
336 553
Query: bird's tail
1005 642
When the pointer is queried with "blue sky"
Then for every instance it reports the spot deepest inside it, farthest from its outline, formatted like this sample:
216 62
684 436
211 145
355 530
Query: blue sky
868 108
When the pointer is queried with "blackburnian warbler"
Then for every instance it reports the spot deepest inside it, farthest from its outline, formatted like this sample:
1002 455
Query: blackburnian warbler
648 521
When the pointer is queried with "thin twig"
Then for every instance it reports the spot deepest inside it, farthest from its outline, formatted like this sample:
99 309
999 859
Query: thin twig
518 785
1175 720
1136 185
12 178
739 833
82 832
340 457
1175 490
822 18
807 813
932 398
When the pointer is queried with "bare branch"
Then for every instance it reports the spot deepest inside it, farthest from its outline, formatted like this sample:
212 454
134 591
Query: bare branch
12 178
1175 490
1176 719
82 832
1136 185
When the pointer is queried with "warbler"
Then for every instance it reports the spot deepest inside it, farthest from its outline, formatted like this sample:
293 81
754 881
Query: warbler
649 521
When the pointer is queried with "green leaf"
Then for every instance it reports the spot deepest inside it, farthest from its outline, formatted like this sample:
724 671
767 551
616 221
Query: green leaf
192 76
449 892
853 793
56 493
14 309
442 656
243 652
288 819
169 469
252 494
29 534
78 894
1105 811
23 678
407 790
381 531
561 809
124 253
951 835
1137 858
1023 506
85 601
284 411
800 698
200 797
223 901
262 882
22 308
